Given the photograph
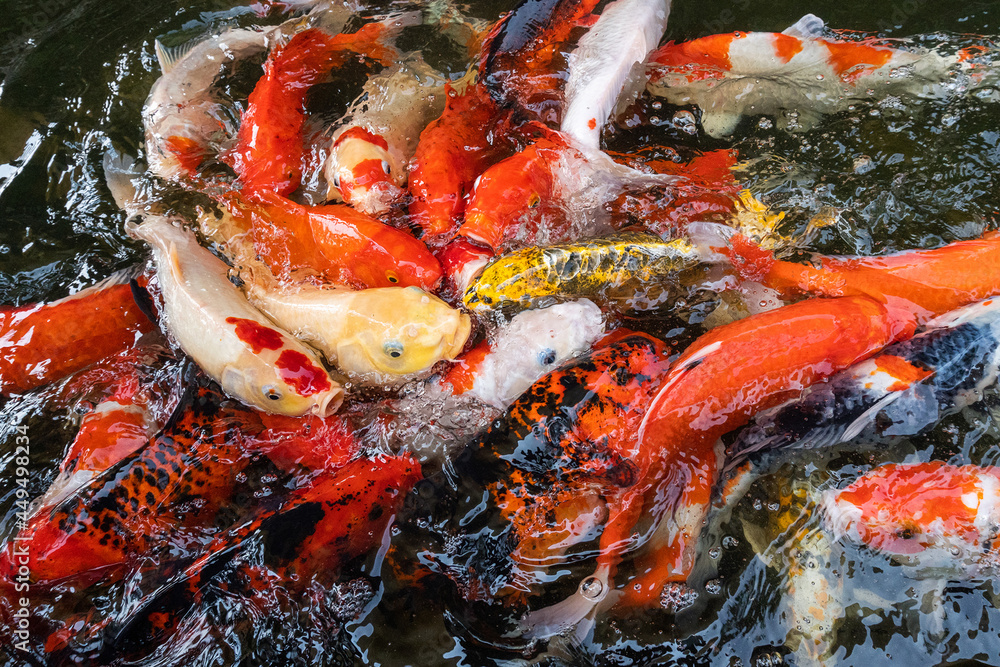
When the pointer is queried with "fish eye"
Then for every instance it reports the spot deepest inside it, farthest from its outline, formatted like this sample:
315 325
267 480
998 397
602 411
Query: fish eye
534 200
336 181
272 392
393 348
547 357
391 277
386 168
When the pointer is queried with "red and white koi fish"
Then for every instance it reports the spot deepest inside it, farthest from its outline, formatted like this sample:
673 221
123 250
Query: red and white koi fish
604 60
930 516
931 282
797 75
44 342
371 148
269 148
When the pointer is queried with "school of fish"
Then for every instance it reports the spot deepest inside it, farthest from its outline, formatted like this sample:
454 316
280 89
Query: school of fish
406 338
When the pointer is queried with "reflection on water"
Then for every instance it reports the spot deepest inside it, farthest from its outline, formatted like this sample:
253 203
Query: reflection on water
894 174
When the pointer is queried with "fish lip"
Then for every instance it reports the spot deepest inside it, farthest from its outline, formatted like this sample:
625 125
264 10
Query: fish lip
459 337
330 403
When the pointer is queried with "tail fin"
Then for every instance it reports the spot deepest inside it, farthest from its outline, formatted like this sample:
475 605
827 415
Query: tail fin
124 177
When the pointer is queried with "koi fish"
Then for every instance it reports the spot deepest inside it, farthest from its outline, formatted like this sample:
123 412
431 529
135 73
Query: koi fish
44 342
371 149
248 355
533 343
932 516
932 281
185 117
517 63
375 336
308 537
177 485
604 60
451 153
629 269
550 192
268 151
903 390
796 75
343 245
551 465
766 359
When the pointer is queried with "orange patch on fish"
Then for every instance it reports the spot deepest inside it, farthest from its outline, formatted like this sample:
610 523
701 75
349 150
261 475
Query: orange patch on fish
851 59
904 372
188 152
786 46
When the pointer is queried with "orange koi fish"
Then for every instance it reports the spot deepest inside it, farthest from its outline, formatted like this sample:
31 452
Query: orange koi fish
928 515
461 260
42 343
766 359
343 245
452 152
268 151
550 192
796 72
931 282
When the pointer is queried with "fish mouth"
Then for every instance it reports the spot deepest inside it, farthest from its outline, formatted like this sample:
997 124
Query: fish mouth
480 227
377 198
330 402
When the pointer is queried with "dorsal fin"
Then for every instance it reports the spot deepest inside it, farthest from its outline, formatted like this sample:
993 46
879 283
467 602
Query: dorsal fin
168 56
808 27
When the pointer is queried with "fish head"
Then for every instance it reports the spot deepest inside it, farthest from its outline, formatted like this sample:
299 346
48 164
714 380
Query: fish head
461 260
294 385
394 258
399 333
536 342
917 511
363 172
511 196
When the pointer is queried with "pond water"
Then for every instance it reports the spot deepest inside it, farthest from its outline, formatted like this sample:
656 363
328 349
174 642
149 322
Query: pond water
899 174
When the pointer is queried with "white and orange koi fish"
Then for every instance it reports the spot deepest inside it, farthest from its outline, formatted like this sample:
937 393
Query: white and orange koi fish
797 75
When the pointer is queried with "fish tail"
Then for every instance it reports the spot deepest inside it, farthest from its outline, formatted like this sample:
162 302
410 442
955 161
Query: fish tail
121 171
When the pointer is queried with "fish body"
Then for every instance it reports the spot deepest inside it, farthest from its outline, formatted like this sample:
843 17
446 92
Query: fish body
550 192
905 389
185 118
736 74
452 152
343 245
460 261
605 58
552 463
931 517
168 494
932 282
268 151
519 63
375 336
44 342
624 266
765 359
304 539
532 344
211 320
371 149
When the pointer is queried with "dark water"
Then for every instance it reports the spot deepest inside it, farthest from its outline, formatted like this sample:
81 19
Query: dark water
75 75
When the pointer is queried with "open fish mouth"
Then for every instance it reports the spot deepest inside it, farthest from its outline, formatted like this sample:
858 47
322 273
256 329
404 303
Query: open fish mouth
330 403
